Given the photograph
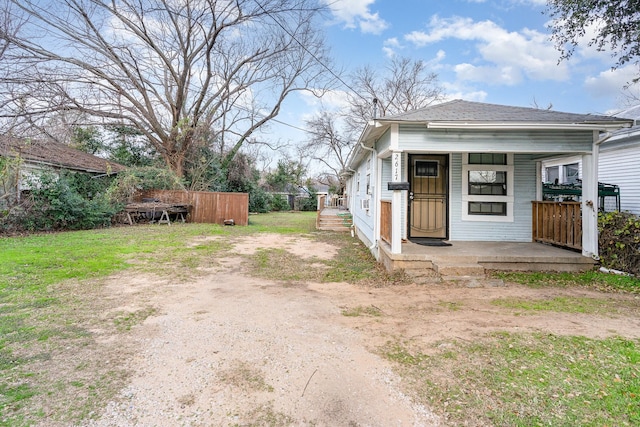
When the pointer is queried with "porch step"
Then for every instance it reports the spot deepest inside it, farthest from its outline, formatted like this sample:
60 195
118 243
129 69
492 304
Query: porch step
452 270
423 276
335 221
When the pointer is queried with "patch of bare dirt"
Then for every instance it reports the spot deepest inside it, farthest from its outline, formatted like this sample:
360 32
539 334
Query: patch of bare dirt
227 349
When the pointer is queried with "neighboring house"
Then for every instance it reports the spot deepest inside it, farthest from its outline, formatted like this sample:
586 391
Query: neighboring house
618 160
467 171
39 155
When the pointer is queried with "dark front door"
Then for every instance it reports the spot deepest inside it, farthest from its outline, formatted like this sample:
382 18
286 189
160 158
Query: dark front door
428 196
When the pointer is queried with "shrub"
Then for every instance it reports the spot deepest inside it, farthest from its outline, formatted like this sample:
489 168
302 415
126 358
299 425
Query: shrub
259 200
134 180
309 203
279 203
619 241
69 201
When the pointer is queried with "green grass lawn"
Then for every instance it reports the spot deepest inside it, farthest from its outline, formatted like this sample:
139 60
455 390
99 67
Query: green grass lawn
48 305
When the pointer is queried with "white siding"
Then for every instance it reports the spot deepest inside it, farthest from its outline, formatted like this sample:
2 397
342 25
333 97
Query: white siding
621 167
517 231
418 139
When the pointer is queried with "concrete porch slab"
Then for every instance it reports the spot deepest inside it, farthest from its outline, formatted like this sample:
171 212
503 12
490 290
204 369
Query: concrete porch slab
506 256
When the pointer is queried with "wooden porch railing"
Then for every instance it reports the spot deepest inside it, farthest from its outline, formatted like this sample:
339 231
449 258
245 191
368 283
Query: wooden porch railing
385 221
557 223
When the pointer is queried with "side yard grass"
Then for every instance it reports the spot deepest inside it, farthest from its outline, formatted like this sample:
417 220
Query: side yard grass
52 301
533 379
508 379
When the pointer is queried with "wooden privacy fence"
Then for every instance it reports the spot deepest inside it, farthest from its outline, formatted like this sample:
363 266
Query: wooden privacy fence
557 223
385 221
207 207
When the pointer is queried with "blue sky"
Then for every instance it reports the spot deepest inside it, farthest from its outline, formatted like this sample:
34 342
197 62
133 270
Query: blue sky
495 51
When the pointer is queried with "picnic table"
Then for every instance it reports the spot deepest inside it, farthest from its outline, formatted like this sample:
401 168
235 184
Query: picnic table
155 212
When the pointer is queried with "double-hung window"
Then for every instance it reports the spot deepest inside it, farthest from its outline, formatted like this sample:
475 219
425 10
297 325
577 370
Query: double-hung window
487 187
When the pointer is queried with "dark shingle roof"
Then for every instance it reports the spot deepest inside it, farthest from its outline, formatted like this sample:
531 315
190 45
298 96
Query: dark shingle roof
55 154
467 111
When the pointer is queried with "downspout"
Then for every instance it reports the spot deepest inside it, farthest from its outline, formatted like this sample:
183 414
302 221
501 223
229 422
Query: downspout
604 138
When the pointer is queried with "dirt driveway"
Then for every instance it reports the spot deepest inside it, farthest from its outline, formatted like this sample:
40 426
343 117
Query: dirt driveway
230 349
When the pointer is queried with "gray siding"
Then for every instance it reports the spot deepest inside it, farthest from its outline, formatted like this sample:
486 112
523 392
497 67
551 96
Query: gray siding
456 230
385 193
416 138
517 231
620 167
384 142
363 220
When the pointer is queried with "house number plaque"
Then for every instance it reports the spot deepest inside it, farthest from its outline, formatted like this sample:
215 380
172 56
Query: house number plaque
396 167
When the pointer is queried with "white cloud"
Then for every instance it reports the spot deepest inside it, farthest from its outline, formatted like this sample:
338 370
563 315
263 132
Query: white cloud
610 82
332 100
504 57
456 91
357 14
506 75
391 46
530 2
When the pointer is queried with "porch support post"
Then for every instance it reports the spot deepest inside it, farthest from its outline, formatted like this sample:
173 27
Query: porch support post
590 201
396 205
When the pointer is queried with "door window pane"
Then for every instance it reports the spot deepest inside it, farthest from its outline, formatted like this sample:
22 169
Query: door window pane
426 168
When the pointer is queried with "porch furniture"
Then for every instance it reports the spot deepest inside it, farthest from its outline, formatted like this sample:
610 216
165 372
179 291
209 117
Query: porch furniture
608 194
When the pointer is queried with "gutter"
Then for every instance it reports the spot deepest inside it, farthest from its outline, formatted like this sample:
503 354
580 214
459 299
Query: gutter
524 125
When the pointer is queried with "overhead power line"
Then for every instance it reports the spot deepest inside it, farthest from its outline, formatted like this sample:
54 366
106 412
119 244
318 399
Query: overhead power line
322 64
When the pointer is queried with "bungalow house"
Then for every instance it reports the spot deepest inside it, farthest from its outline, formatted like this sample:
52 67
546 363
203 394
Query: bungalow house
617 165
36 155
466 172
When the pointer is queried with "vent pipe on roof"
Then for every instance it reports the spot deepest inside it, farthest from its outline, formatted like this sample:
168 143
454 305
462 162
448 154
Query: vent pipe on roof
375 108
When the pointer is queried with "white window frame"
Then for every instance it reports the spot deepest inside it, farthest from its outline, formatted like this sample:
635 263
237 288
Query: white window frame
466 197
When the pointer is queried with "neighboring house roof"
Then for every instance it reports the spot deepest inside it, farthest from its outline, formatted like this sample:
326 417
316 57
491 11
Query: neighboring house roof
629 135
56 154
630 113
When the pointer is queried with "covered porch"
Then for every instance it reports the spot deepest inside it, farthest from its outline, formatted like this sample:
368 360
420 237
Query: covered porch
473 259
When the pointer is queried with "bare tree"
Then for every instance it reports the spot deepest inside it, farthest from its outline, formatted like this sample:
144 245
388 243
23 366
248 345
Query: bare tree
328 145
11 22
174 70
403 85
